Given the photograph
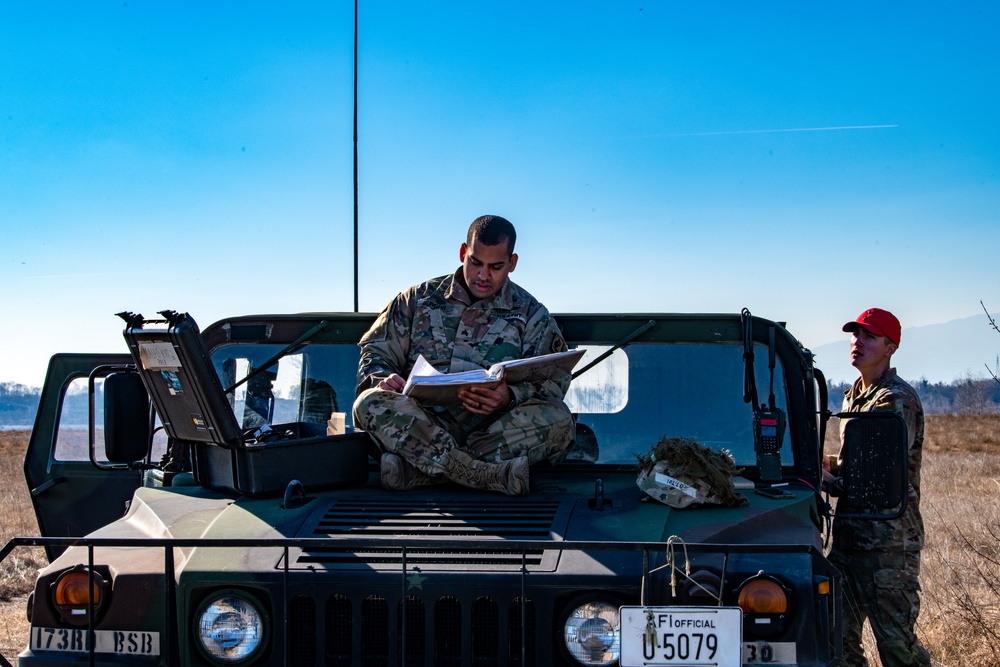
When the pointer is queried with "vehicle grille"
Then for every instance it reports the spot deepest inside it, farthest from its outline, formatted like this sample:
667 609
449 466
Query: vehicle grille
354 625
416 632
476 519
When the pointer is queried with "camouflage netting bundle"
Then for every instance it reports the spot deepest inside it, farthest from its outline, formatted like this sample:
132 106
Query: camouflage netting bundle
680 472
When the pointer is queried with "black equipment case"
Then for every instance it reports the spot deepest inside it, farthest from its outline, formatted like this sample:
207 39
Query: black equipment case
171 357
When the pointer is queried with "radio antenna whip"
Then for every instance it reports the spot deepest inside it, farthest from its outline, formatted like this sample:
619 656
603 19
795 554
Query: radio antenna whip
355 156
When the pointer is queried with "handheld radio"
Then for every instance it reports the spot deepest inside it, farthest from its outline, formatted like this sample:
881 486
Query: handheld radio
768 433
768 420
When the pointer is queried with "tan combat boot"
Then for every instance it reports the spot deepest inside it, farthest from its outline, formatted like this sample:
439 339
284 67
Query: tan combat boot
510 477
400 475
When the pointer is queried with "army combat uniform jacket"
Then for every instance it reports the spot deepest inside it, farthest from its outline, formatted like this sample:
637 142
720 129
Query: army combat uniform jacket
889 392
437 320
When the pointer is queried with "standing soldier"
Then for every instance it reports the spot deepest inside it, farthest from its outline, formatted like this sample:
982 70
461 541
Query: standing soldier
880 560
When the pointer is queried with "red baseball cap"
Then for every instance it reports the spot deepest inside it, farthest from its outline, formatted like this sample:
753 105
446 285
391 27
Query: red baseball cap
877 322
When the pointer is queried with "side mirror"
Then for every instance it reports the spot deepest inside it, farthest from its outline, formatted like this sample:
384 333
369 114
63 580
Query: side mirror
875 465
126 418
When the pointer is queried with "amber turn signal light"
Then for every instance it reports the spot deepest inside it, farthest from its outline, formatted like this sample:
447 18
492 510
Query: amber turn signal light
70 596
762 596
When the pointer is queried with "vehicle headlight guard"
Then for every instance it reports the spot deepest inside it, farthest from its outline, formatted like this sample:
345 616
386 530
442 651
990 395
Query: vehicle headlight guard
231 627
592 633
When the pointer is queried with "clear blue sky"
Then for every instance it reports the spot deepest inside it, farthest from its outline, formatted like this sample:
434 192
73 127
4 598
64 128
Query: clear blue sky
805 160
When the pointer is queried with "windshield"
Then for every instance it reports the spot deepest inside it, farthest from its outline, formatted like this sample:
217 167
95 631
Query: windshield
307 386
678 390
623 405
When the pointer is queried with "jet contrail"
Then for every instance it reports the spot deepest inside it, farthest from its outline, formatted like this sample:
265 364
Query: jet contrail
100 274
791 129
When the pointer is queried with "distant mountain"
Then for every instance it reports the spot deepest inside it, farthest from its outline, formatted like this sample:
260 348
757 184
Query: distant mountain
937 352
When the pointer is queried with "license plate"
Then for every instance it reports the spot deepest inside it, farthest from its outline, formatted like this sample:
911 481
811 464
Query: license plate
75 640
681 636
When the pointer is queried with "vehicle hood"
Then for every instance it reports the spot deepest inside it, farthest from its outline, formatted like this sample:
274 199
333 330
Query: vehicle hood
561 507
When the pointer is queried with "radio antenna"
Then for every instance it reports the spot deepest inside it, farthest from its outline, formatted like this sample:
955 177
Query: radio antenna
355 156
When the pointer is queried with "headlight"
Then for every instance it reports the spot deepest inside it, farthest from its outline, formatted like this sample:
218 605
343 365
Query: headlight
230 628
592 634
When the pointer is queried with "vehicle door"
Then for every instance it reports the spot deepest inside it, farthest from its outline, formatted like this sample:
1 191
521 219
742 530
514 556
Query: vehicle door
71 496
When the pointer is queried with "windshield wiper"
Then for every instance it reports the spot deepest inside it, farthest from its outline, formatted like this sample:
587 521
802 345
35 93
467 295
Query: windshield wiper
288 348
620 344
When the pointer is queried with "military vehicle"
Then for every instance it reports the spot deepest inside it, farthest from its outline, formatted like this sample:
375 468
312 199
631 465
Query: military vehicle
202 504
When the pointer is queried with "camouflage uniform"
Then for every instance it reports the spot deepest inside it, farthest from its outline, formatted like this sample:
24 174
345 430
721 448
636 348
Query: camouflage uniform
880 560
438 320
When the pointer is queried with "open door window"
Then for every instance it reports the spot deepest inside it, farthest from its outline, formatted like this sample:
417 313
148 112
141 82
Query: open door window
874 466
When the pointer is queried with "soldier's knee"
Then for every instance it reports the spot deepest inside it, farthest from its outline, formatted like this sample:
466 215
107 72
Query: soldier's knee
556 415
360 409
565 419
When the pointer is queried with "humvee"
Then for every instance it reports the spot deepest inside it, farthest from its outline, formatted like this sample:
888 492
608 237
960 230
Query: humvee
252 529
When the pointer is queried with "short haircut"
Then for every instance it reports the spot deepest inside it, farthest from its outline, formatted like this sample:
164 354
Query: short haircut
492 230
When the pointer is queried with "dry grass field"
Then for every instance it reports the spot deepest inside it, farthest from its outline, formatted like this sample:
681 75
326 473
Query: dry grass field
960 620
960 568
17 572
